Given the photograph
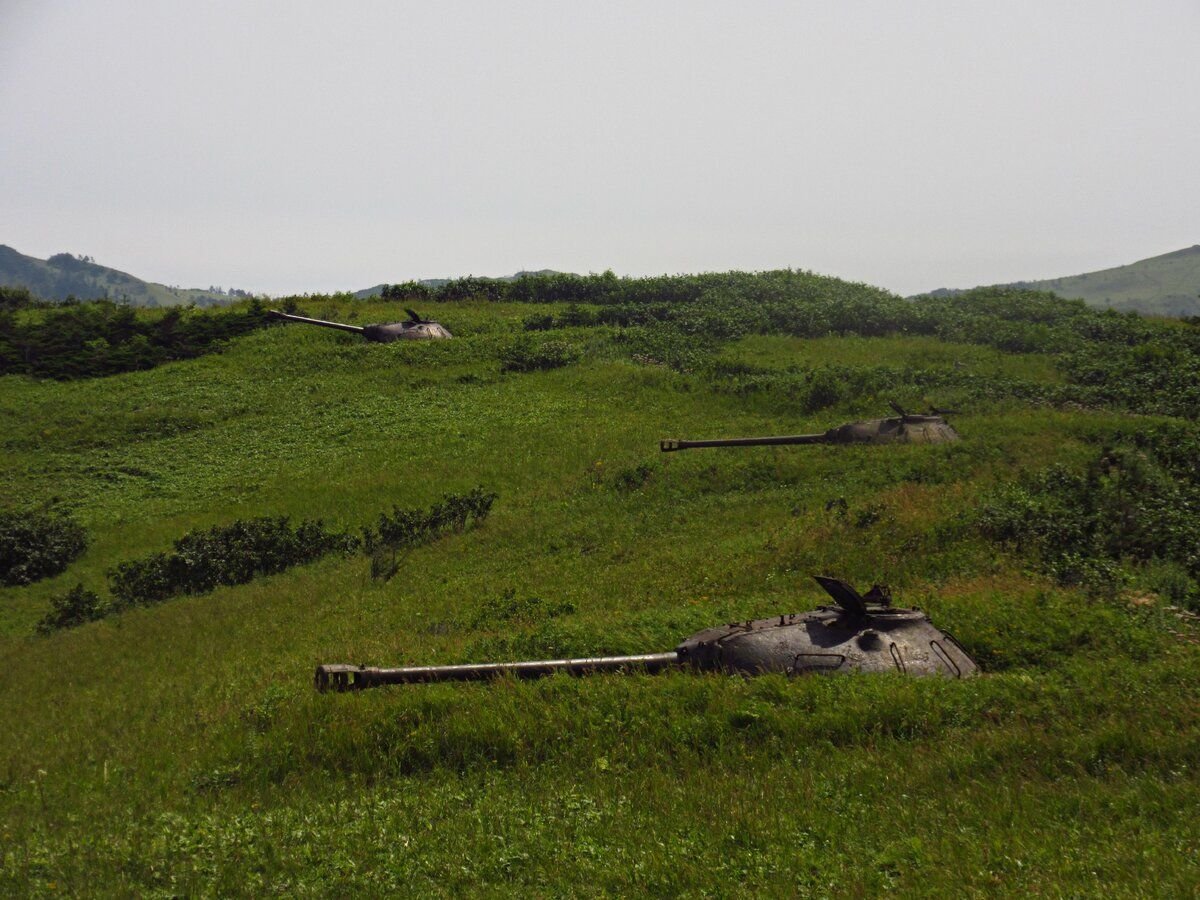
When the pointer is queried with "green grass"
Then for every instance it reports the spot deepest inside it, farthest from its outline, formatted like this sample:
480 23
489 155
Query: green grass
181 750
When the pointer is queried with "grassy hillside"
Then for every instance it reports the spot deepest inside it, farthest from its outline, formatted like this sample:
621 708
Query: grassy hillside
179 748
1162 285
64 275
1166 285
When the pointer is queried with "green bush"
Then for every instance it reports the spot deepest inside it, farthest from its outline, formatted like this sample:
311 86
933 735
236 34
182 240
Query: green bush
89 340
1136 501
527 355
224 555
36 545
244 549
77 606
403 529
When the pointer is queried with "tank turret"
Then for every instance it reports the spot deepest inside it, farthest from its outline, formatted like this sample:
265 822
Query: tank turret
858 634
903 428
414 328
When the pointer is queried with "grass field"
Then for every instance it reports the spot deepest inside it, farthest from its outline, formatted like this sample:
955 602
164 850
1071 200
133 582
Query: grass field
179 749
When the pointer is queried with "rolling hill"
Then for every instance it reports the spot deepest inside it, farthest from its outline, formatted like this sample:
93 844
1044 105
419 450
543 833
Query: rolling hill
1166 285
64 275
176 747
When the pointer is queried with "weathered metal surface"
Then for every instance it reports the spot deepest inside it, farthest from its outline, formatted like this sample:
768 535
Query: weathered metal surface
901 429
414 329
860 634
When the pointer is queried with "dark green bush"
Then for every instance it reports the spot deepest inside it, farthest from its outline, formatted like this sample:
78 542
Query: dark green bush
403 529
36 545
89 340
528 355
224 555
242 550
77 606
1137 501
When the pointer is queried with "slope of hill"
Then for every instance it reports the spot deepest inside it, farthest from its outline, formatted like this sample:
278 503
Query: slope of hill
1166 285
64 275
178 748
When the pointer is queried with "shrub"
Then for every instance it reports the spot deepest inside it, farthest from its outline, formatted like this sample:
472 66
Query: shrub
224 555
77 606
1135 502
238 552
89 340
403 529
527 355
35 545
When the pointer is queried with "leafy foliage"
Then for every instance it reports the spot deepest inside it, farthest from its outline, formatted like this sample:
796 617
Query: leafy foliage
403 529
526 355
223 555
12 298
77 606
246 548
36 545
89 340
1137 500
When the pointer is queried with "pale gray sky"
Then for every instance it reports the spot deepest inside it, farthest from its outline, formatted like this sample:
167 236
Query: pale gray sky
305 146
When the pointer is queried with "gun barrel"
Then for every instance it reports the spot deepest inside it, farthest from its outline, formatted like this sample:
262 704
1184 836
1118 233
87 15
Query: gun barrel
357 329
353 678
672 445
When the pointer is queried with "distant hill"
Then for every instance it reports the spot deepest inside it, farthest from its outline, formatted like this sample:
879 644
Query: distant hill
438 282
64 275
1167 285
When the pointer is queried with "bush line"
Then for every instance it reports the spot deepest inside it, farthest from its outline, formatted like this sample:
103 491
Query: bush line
247 548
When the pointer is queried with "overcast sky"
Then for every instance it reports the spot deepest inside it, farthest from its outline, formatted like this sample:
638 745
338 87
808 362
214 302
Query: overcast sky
303 146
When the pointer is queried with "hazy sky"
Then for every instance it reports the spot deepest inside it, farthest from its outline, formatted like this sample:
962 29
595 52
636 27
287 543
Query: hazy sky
303 146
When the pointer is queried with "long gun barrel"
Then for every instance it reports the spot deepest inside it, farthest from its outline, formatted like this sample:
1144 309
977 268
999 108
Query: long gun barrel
357 329
672 445
354 678
863 633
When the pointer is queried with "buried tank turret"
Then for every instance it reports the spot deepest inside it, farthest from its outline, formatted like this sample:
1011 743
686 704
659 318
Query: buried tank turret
902 428
413 329
859 634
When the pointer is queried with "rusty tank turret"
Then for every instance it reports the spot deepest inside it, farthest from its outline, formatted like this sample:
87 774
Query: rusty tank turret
413 329
902 428
859 634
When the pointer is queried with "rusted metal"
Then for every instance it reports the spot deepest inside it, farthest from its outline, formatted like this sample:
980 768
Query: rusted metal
904 428
859 634
415 328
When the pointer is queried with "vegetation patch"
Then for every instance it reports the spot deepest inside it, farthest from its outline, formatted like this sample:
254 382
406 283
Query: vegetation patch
529 355
75 607
403 529
35 545
1137 501
509 608
184 752
89 340
237 553
223 555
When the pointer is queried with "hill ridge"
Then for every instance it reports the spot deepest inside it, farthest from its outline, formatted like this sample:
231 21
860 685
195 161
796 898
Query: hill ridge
1165 285
64 275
